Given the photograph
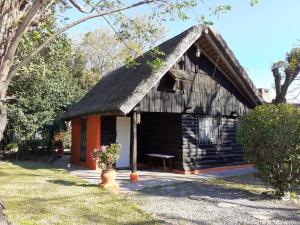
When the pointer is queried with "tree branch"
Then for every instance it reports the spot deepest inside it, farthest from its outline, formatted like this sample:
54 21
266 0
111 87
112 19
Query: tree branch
291 70
296 72
111 26
277 78
79 7
9 56
63 29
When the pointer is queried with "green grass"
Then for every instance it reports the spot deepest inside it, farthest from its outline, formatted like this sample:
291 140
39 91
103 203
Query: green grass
252 184
35 193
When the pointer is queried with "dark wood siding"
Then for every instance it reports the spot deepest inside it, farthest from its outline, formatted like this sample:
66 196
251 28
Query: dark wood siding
205 92
108 130
209 92
199 156
160 133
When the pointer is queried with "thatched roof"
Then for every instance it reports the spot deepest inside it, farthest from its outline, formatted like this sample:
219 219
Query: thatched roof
121 90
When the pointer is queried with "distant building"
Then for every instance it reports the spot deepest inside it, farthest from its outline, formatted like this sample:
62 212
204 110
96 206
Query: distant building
265 95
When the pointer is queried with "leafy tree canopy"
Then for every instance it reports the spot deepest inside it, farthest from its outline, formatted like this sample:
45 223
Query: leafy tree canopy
45 86
105 50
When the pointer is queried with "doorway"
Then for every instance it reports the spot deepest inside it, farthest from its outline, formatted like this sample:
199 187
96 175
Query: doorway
82 155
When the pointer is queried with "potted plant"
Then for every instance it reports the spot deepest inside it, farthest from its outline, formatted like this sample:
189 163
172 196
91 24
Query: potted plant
106 157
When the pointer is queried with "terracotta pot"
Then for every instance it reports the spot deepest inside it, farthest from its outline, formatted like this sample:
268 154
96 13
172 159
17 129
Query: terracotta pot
108 177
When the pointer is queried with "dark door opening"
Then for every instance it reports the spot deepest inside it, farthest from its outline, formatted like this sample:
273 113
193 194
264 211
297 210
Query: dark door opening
83 139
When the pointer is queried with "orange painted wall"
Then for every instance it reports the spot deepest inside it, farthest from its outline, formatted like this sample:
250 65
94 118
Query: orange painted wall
92 140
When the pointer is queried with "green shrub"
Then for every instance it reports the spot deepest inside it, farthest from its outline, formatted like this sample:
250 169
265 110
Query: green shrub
11 146
271 137
67 140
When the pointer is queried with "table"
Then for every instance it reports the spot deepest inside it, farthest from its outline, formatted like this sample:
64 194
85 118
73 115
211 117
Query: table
163 157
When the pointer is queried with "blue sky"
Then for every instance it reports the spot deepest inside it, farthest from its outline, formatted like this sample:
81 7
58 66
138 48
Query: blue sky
258 36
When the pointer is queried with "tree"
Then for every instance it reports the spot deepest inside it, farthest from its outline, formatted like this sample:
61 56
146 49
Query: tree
285 73
19 16
271 137
86 77
105 52
44 87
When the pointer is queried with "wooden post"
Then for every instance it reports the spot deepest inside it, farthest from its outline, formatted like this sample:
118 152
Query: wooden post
134 175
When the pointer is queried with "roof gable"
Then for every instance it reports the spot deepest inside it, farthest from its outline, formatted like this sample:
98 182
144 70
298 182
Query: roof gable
121 90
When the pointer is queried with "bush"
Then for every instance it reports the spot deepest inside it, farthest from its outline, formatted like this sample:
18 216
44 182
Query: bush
11 146
271 137
67 140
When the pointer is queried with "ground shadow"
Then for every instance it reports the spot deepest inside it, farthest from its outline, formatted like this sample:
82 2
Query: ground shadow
70 183
213 194
34 165
201 194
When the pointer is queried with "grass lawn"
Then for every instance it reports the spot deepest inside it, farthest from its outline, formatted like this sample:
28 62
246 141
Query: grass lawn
250 183
35 193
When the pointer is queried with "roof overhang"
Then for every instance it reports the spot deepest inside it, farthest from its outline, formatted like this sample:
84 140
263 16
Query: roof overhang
216 50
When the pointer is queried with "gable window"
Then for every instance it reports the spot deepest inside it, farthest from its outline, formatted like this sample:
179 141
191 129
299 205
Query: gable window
170 83
174 80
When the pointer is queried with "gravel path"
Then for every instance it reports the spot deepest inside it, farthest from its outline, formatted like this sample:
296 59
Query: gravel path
200 203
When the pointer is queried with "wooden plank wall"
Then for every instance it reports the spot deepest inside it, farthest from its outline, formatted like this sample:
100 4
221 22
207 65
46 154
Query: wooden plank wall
160 133
209 93
196 156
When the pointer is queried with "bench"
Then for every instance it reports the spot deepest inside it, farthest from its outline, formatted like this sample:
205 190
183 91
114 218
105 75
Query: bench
163 157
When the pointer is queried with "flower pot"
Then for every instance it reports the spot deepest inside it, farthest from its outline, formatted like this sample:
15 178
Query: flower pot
108 177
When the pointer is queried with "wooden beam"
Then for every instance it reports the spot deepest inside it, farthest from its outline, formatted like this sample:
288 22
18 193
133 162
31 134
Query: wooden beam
230 67
134 174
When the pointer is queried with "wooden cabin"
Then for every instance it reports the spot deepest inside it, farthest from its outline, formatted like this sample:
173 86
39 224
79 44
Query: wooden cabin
189 108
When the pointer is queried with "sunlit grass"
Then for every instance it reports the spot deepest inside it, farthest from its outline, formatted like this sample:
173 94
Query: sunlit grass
35 193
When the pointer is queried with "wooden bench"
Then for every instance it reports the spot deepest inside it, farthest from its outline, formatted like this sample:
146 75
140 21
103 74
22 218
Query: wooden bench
163 157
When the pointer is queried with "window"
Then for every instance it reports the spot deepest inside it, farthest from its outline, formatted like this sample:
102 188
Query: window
170 83
175 80
167 83
209 130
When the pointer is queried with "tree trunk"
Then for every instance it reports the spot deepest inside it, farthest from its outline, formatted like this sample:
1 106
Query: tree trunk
280 98
3 220
3 112
3 120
